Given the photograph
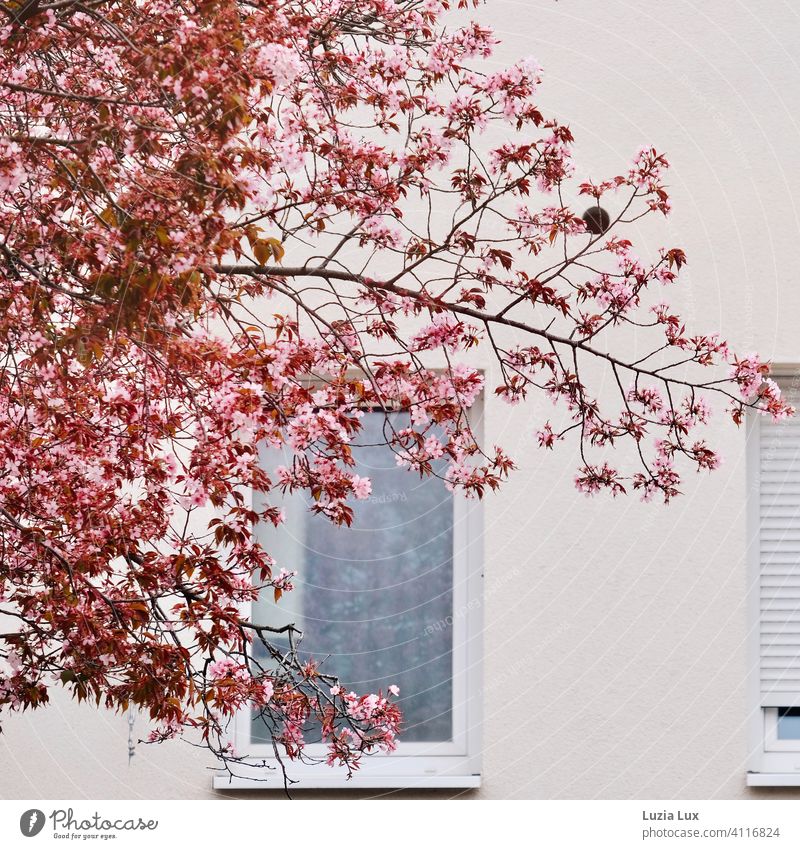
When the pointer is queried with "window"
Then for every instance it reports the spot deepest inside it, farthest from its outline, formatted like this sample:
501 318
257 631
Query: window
774 596
782 729
394 599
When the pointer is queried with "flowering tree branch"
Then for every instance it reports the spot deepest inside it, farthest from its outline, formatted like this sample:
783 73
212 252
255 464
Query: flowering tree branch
158 163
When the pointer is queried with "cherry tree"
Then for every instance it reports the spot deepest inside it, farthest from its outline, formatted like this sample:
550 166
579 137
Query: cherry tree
226 223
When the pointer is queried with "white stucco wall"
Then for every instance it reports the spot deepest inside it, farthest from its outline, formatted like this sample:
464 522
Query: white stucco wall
615 631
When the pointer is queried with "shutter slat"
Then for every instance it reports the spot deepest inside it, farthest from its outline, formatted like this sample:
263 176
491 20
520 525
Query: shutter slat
780 564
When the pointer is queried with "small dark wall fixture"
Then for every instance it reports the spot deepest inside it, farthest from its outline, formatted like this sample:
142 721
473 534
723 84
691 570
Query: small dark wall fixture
597 220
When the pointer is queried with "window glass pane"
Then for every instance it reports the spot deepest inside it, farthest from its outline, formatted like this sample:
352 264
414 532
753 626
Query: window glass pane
789 723
375 599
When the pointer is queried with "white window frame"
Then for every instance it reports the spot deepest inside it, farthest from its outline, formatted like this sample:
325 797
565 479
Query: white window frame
770 762
450 764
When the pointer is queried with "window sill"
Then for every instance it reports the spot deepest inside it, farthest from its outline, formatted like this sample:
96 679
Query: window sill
357 782
773 779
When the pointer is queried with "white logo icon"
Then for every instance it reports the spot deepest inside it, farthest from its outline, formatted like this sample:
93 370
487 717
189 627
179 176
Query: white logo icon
31 822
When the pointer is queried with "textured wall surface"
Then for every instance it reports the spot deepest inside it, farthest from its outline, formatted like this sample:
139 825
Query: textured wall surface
615 631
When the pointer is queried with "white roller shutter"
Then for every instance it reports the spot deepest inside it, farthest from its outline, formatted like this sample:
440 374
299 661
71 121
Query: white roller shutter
779 557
